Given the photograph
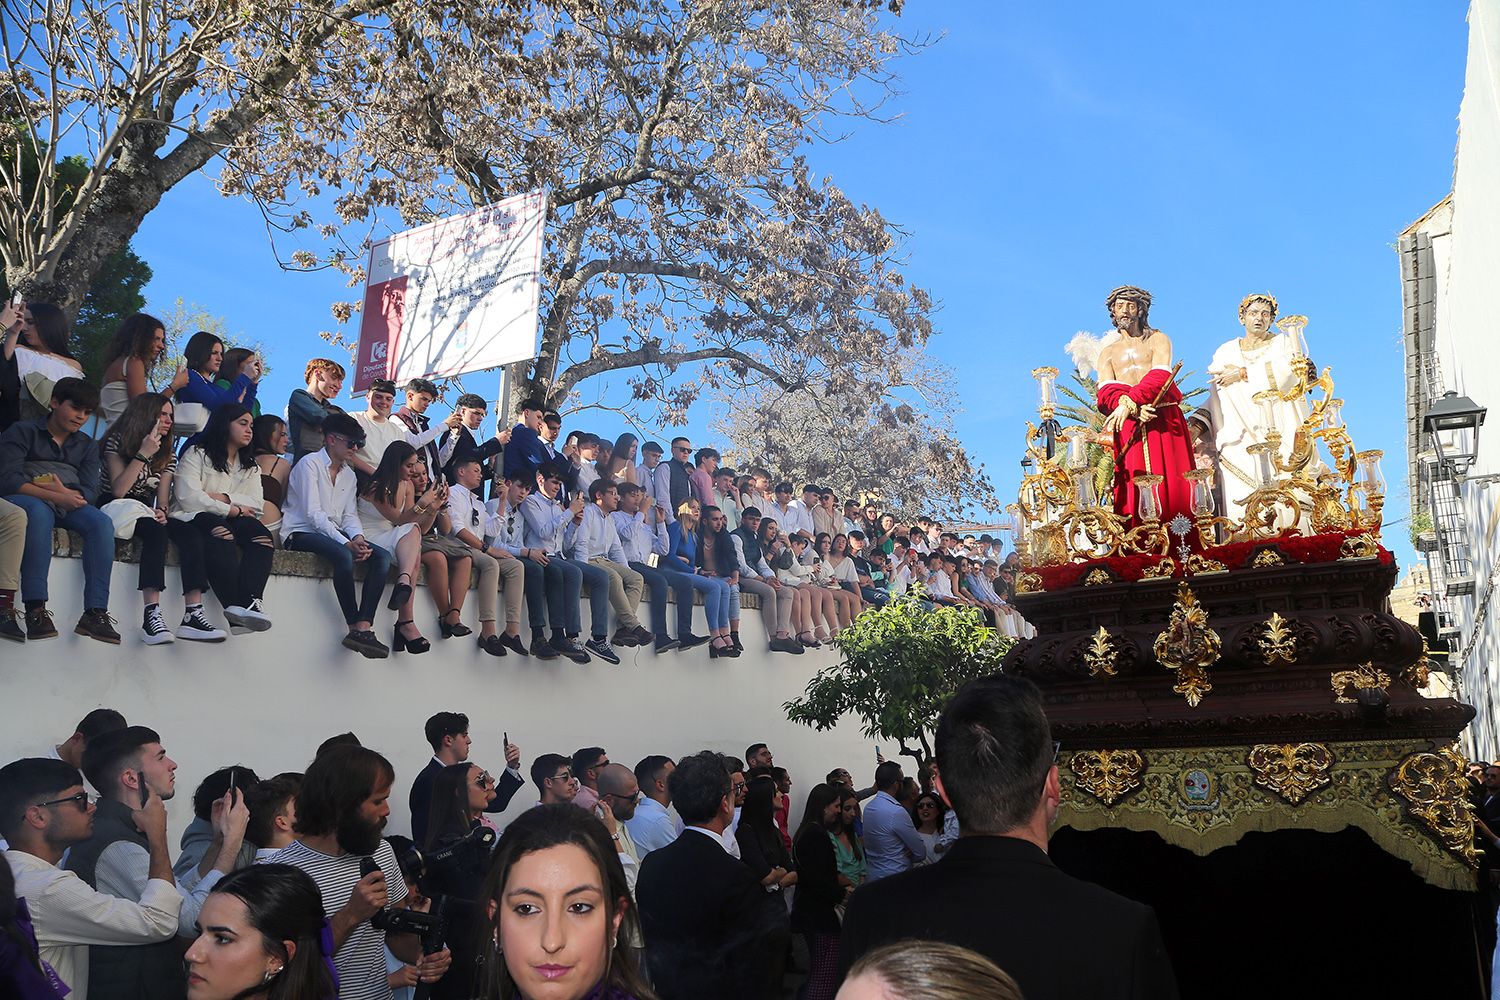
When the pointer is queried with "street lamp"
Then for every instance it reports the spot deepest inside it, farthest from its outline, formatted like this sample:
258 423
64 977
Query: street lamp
1453 424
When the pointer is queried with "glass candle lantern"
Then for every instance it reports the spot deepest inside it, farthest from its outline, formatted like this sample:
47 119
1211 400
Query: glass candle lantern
1046 382
1083 488
1202 483
1078 450
1292 326
1368 475
1265 405
1333 414
1260 464
1148 500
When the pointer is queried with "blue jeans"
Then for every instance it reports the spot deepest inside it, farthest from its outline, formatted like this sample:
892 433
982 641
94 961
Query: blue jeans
98 549
339 559
715 593
598 581
658 580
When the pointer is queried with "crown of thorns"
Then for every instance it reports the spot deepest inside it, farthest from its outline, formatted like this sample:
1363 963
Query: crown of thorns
1129 292
1266 297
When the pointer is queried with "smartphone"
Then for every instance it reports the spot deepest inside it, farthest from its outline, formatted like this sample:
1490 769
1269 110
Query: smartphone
18 300
504 739
145 791
653 560
877 753
232 773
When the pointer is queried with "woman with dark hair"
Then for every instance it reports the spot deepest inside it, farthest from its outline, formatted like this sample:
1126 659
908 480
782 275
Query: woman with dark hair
135 490
35 355
819 893
682 558
621 465
841 564
269 441
826 577
716 559
847 849
237 361
394 518
137 346
764 853
204 356
563 920
456 866
263 934
23 976
928 814
777 555
446 561
218 493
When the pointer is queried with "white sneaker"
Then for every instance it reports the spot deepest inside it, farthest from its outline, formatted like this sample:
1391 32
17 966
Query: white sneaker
154 629
250 618
196 626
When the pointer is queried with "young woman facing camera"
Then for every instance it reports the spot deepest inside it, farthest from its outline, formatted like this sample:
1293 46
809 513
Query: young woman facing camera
558 901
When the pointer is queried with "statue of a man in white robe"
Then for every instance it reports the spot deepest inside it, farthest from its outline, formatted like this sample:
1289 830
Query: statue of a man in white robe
1261 360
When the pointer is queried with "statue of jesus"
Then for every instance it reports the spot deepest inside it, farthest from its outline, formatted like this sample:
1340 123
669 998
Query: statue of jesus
1144 408
1260 361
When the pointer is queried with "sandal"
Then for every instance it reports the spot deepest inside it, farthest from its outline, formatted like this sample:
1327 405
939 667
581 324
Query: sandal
400 593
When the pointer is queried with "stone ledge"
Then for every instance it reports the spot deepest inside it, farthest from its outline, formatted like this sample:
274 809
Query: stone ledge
69 545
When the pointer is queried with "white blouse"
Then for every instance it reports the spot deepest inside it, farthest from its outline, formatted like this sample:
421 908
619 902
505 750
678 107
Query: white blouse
197 478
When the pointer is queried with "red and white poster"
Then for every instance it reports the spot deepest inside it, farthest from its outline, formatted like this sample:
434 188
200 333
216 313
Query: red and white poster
454 296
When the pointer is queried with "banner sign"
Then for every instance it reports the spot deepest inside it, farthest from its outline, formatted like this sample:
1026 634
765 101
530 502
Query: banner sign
454 296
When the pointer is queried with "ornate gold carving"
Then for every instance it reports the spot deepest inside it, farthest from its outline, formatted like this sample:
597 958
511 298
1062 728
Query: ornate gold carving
1361 546
1028 583
1292 771
1278 642
1100 655
1162 569
1096 577
1416 674
1267 557
1199 565
1366 675
1107 775
1436 792
1188 646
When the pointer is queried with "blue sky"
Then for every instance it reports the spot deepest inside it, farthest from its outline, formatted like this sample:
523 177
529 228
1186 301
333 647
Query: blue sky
1047 153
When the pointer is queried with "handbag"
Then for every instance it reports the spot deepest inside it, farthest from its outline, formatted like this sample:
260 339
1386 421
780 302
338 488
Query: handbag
124 513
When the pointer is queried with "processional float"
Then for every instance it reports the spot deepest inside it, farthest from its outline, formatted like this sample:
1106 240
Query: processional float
1214 680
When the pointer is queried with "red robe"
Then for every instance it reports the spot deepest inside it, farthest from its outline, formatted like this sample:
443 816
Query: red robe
1167 438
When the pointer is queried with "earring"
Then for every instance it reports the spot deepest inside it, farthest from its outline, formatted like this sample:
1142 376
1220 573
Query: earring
272 974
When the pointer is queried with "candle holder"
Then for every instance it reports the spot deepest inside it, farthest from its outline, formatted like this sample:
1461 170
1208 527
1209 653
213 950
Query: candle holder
1046 389
1147 500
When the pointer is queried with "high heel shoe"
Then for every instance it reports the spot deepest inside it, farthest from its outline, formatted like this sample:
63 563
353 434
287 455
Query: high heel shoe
400 593
402 644
455 631
805 637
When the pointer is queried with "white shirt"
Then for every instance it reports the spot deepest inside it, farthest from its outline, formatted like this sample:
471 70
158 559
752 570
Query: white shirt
938 584
466 513
720 839
549 525
652 827
314 502
379 435
730 841
506 528
69 916
596 537
196 478
639 540
798 517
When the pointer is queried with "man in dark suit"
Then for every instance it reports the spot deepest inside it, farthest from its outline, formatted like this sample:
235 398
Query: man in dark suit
996 891
448 733
471 410
525 453
708 930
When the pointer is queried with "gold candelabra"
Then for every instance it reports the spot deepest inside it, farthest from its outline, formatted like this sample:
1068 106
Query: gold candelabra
1059 516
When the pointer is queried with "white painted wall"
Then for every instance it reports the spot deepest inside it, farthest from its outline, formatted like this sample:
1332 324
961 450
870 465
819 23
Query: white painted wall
1467 332
268 700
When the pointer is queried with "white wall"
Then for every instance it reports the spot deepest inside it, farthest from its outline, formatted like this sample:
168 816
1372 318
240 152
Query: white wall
1467 332
268 700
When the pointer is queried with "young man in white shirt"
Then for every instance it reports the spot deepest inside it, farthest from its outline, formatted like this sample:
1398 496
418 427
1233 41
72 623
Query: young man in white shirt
499 571
383 430
320 518
597 543
549 528
44 811
643 532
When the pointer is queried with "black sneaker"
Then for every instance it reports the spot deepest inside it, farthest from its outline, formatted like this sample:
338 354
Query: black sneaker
10 625
196 626
39 623
542 649
366 645
624 637
513 643
571 650
154 631
600 648
644 636
687 640
665 644
97 624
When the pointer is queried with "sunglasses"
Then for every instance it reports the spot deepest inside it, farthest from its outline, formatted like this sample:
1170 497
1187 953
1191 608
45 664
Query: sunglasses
484 780
81 800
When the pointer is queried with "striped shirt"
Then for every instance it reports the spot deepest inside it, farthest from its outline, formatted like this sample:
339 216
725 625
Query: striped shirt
361 960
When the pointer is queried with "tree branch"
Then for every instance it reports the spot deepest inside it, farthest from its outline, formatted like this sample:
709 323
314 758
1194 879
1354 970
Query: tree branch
650 355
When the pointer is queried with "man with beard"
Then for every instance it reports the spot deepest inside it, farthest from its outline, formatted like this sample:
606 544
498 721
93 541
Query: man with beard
1143 409
341 810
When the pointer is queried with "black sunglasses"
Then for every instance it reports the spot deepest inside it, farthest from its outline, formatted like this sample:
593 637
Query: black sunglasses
81 800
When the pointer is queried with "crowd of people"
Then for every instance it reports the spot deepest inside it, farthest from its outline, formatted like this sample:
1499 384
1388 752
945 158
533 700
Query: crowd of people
536 514
674 878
